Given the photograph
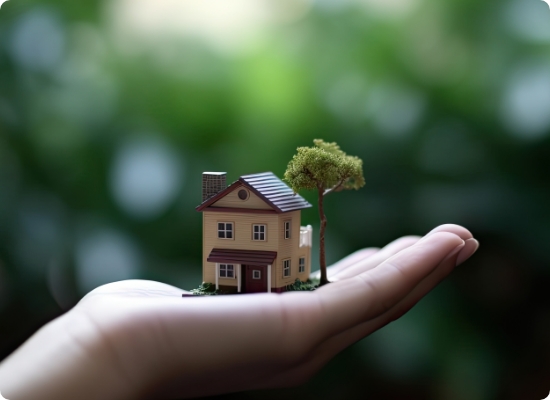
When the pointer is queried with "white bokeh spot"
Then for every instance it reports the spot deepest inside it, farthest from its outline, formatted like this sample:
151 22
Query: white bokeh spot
146 177
38 41
525 107
527 20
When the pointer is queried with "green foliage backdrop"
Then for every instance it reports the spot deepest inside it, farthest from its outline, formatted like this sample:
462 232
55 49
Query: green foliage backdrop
111 110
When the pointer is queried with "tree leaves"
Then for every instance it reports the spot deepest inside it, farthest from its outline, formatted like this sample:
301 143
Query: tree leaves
324 166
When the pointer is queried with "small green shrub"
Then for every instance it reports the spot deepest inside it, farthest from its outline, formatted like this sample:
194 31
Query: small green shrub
207 289
299 286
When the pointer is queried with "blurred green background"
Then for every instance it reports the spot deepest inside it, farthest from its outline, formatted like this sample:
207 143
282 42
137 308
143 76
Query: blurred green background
111 110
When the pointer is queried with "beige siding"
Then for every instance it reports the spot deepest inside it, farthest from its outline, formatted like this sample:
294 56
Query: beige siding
231 200
242 237
304 252
289 249
285 248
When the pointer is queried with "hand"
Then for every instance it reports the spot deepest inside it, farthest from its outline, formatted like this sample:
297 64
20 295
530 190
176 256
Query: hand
141 339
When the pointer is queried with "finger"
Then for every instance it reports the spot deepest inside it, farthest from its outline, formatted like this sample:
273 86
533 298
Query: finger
458 230
394 247
350 302
388 251
352 259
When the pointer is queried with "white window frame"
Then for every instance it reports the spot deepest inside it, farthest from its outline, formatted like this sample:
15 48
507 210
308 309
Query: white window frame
286 268
287 229
224 231
229 273
254 274
260 233
301 265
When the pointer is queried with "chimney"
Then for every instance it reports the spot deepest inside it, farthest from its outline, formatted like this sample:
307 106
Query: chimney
212 183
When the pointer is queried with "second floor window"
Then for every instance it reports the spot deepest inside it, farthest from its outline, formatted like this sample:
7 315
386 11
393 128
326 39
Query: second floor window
287 229
258 232
225 230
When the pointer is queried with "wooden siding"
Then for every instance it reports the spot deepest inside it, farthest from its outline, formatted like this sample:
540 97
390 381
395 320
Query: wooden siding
231 200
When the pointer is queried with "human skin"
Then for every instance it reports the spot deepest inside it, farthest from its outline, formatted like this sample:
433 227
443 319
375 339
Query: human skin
140 339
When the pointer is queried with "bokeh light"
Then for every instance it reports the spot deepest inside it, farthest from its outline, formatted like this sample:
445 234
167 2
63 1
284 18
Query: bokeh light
146 176
38 41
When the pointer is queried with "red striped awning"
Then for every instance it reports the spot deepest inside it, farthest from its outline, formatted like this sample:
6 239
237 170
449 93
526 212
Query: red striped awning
248 257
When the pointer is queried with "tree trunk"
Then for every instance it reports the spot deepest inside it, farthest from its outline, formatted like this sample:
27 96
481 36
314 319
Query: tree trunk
322 259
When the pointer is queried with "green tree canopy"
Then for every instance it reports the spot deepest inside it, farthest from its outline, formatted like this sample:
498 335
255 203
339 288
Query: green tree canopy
325 168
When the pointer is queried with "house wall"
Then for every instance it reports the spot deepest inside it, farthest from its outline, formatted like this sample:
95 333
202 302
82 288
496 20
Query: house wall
232 200
290 249
285 248
242 238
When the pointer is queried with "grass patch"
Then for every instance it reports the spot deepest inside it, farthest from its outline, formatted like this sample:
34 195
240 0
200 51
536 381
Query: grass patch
299 286
207 289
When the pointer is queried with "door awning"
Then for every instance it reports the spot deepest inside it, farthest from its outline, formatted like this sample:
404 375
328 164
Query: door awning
249 257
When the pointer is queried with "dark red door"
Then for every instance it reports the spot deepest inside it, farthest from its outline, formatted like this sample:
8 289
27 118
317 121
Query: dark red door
255 278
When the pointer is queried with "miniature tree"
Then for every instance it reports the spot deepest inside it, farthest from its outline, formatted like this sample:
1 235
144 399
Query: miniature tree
327 169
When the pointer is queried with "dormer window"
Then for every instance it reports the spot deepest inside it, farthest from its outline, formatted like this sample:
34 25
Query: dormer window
225 230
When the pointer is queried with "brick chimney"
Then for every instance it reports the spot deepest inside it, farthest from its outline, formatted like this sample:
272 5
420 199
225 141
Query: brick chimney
212 183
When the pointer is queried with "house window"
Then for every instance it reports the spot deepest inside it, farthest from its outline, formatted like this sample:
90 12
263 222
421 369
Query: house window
256 274
286 268
225 230
227 271
302 265
287 230
258 232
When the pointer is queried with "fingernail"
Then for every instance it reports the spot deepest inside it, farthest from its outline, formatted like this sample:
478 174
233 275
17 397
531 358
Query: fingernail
470 247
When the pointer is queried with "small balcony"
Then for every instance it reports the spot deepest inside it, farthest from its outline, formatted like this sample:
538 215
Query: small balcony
305 236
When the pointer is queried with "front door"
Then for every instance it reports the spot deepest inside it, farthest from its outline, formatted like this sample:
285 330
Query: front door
255 278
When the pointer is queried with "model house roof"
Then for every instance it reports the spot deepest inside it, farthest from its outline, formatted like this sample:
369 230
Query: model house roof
269 188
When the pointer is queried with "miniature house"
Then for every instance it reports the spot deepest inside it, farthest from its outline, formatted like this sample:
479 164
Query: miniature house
252 238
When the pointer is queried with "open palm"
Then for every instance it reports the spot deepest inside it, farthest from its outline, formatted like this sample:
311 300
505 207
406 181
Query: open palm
141 339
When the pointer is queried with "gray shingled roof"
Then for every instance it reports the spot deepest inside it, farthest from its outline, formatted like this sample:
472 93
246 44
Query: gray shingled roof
268 187
275 192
